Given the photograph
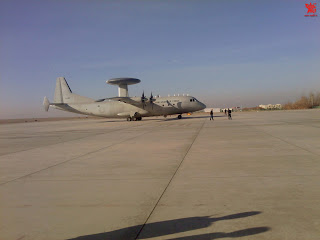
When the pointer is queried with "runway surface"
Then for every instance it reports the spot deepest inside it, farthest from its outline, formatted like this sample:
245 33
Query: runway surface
253 177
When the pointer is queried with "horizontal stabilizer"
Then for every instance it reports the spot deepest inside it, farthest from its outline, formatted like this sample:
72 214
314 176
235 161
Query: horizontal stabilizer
46 104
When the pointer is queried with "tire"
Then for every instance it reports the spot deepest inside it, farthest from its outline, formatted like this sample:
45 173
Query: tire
179 116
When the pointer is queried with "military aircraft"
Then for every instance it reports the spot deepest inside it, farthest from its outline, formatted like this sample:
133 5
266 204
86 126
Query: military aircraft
123 106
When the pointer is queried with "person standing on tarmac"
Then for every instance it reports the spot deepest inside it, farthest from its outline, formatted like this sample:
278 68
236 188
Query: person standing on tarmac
211 115
225 112
229 114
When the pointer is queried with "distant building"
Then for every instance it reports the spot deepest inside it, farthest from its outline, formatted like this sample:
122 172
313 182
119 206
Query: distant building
271 106
213 109
233 109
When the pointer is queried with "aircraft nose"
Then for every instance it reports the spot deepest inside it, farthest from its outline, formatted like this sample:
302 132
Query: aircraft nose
202 106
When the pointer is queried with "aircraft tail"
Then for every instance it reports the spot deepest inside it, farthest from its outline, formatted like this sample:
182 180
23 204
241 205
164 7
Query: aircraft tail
63 93
47 104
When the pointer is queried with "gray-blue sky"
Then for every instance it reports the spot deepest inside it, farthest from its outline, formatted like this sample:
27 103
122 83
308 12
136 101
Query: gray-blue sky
223 52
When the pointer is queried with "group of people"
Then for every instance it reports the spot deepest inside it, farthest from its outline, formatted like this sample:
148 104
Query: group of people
225 113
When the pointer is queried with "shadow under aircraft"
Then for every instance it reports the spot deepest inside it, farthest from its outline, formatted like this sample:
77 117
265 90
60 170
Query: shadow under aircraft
164 228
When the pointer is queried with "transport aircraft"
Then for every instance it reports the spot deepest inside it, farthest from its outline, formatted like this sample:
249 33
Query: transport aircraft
123 106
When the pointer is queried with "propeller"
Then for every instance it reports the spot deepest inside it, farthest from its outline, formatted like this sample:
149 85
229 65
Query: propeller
143 99
151 100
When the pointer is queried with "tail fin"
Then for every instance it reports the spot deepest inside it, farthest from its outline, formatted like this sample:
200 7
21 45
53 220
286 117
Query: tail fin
63 93
58 92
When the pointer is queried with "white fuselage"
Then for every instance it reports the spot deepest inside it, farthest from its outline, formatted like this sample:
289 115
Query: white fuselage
117 109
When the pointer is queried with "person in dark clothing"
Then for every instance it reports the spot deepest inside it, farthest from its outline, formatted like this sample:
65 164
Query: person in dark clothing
229 114
225 112
211 115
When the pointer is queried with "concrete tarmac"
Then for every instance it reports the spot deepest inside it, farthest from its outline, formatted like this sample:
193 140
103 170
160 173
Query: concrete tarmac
253 177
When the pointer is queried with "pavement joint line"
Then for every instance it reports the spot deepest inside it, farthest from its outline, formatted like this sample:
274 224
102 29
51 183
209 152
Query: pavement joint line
93 135
311 175
27 175
95 179
292 144
174 174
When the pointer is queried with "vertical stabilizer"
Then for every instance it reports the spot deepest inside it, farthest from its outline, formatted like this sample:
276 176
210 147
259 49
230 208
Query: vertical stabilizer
58 93
63 93
66 90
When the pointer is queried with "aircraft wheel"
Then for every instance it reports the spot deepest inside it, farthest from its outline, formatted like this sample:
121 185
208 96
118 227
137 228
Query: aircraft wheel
179 116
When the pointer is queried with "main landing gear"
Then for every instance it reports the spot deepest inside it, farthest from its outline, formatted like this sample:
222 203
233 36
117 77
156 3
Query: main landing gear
134 118
179 116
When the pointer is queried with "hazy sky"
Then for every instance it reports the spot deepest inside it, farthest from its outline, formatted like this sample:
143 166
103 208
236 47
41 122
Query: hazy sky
225 53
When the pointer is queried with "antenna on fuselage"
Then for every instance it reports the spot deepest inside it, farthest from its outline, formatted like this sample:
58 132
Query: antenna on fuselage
123 85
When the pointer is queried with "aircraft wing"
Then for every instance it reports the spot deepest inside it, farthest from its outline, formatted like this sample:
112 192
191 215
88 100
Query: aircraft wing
128 101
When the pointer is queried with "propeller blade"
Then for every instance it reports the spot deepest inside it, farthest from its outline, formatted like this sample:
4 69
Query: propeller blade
151 100
143 99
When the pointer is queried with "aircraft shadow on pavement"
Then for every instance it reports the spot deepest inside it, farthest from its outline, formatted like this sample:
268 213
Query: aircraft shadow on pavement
160 119
189 117
163 228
